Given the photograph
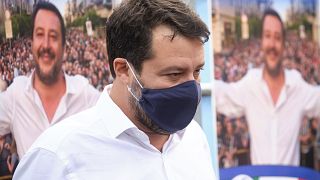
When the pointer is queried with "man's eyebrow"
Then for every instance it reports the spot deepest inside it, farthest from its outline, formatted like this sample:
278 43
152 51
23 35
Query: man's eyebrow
53 31
38 29
172 68
200 66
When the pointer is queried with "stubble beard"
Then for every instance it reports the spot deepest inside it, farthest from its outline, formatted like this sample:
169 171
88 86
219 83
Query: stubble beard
53 75
139 113
276 70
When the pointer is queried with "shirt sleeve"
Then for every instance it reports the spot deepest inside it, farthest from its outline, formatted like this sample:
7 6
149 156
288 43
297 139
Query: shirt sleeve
312 100
230 98
6 108
40 164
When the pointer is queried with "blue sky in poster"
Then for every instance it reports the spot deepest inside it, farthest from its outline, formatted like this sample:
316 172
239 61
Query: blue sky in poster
281 6
60 5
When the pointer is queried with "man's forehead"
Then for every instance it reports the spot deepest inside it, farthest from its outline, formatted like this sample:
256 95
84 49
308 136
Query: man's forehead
44 17
276 24
162 32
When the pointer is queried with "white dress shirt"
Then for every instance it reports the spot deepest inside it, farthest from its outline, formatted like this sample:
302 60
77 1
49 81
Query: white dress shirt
274 129
22 113
102 143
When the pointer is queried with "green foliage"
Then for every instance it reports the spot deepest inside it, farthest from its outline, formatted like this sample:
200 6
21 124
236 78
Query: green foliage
21 25
238 28
2 33
254 26
254 22
92 16
301 20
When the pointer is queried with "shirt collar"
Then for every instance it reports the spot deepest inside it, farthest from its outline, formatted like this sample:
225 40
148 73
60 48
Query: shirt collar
288 82
69 88
116 121
29 86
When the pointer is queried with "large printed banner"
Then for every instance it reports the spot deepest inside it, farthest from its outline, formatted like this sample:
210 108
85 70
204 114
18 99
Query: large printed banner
265 117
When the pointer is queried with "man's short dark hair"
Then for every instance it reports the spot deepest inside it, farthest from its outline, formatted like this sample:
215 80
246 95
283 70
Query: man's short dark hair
271 12
50 7
129 28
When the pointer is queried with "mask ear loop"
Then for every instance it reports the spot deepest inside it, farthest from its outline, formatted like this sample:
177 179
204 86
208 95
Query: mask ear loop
134 74
199 92
129 88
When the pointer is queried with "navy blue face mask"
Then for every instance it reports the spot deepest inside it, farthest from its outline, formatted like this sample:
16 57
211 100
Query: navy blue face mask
172 109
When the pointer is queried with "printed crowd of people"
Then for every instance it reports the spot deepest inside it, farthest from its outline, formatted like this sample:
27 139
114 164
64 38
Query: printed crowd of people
16 59
84 55
233 142
232 64
8 155
87 56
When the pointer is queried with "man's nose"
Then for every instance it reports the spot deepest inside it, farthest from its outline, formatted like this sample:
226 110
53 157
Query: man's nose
272 42
45 42
191 77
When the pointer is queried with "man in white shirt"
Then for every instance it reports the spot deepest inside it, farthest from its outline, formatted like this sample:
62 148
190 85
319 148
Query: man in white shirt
141 127
32 104
273 99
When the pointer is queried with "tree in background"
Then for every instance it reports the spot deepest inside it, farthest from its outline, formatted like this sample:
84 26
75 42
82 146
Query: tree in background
92 16
254 22
21 25
301 20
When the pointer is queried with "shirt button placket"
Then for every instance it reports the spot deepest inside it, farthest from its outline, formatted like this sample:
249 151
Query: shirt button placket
274 137
165 165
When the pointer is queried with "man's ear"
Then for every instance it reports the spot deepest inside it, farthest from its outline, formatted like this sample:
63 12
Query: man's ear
121 69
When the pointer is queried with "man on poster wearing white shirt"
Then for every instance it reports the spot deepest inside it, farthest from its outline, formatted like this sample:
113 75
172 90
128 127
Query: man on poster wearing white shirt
273 99
32 104
141 127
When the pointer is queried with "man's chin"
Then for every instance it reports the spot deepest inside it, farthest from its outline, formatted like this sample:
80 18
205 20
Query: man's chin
47 77
273 70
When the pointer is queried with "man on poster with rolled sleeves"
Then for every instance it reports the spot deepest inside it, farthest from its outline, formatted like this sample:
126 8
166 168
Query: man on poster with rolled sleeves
32 104
273 99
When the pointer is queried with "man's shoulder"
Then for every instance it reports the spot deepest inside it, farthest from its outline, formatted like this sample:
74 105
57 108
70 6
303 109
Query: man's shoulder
80 84
20 81
294 78
293 73
252 76
254 73
18 85
77 80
